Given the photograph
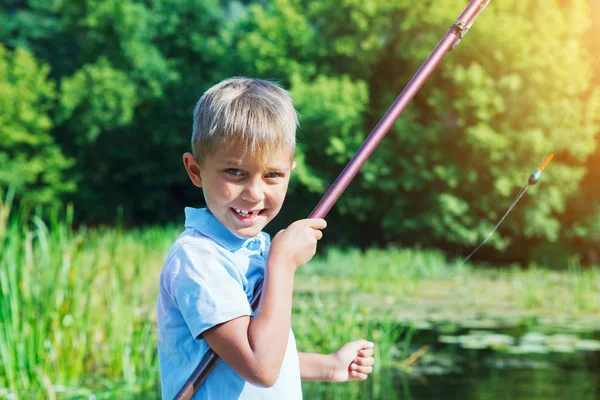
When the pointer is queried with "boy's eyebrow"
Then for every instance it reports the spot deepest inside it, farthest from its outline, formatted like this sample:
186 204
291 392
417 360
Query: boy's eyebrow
230 161
238 162
235 161
277 168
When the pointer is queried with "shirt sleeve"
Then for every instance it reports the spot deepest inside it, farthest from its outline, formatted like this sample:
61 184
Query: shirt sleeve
207 288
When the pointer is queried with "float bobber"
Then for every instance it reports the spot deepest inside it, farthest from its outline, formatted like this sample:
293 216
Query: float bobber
535 177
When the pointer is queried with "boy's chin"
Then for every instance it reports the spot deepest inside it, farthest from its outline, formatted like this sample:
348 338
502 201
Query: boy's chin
248 232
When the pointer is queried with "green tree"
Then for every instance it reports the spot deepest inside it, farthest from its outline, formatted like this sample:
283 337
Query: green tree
454 161
582 221
30 160
129 73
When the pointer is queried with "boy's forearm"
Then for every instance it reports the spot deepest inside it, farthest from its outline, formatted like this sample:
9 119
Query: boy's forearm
269 330
315 367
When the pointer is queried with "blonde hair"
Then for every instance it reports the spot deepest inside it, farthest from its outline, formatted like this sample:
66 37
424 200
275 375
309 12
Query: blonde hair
256 114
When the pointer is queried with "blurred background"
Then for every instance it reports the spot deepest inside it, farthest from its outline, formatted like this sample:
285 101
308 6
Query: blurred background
96 102
97 99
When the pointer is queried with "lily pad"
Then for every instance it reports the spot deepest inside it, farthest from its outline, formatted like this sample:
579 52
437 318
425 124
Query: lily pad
527 348
534 338
562 340
562 348
449 339
481 324
588 345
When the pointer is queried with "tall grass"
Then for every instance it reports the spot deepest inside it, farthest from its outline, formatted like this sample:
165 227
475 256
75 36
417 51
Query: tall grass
77 311
575 290
323 323
77 308
413 274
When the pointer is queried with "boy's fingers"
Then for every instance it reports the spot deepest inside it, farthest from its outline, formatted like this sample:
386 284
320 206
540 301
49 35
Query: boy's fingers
365 362
358 376
363 370
318 234
364 345
365 352
316 223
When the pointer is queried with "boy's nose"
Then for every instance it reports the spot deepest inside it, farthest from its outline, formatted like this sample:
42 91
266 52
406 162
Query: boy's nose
253 192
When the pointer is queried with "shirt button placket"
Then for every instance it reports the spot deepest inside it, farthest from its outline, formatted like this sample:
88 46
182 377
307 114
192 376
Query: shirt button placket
253 244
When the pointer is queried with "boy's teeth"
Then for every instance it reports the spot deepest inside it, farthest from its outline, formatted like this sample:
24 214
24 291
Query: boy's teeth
244 213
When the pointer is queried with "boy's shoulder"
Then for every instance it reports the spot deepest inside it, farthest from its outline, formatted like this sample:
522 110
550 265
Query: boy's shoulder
192 241
207 247
201 224
193 245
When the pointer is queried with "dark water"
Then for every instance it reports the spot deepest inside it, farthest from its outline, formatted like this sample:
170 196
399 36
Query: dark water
487 376
450 372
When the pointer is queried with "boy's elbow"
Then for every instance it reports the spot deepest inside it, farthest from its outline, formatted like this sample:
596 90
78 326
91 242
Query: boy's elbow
265 377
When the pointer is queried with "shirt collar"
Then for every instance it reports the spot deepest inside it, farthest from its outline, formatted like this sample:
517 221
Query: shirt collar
206 223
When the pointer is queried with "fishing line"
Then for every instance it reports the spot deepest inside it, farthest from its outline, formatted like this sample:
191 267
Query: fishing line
535 177
531 180
514 203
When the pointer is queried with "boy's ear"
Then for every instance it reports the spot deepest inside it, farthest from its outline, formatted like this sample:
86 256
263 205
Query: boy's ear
192 168
294 165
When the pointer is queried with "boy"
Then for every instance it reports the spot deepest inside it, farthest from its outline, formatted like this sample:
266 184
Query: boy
243 146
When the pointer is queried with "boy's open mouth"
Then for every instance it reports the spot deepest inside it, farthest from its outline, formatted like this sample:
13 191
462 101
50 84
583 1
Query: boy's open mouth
247 214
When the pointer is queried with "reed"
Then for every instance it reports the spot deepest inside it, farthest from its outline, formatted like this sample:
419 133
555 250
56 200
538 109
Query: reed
323 323
77 316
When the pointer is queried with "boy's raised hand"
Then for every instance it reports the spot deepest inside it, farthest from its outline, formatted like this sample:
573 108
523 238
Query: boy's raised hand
353 361
297 243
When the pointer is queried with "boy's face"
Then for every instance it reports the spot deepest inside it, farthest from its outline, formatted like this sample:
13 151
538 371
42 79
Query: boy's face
242 192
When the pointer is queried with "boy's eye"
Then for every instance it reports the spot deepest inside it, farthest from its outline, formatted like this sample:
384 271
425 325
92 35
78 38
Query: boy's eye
233 171
273 175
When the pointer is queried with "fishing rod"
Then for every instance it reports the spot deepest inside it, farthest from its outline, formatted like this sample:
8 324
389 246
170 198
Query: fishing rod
450 40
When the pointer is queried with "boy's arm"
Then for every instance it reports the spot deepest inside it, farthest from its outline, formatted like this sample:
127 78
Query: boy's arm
316 367
255 347
352 361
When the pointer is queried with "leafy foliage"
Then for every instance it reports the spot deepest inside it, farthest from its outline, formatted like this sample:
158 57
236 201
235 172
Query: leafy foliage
30 160
128 74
